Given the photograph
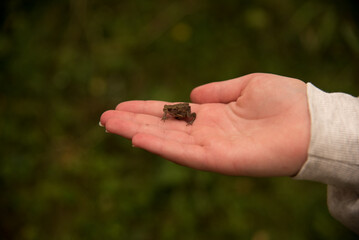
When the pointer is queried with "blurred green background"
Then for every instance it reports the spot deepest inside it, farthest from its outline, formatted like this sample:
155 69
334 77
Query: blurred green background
63 63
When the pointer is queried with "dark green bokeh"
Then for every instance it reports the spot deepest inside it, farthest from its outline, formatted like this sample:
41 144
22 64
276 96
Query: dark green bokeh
62 63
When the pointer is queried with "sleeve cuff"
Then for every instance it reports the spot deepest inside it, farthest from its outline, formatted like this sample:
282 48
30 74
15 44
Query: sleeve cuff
333 154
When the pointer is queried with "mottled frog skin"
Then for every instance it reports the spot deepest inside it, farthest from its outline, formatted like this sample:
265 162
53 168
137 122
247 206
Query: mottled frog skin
180 111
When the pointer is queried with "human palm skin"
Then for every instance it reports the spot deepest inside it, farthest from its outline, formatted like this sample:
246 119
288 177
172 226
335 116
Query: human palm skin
255 125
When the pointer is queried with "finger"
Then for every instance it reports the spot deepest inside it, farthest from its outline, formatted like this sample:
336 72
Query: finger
154 108
106 116
114 116
220 92
189 155
128 129
150 107
129 116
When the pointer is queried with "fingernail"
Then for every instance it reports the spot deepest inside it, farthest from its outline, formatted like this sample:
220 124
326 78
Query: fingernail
99 123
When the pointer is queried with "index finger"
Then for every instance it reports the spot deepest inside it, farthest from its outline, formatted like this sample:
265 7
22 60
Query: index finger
148 107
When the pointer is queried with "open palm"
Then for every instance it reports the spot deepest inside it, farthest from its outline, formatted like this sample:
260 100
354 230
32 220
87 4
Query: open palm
255 125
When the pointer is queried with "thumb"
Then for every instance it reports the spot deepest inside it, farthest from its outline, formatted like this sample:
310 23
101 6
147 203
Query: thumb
220 92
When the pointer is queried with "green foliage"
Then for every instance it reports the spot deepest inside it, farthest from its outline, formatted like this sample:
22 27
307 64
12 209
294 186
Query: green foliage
62 63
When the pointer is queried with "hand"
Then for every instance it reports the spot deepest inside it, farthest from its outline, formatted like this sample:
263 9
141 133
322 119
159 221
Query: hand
255 125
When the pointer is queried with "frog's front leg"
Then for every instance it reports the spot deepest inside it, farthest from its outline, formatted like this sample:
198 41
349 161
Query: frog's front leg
192 117
164 117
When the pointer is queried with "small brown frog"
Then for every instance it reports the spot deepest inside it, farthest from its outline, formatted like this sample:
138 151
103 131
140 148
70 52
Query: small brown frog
180 111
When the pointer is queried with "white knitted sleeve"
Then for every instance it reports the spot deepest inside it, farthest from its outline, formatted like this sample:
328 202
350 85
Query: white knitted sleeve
333 154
